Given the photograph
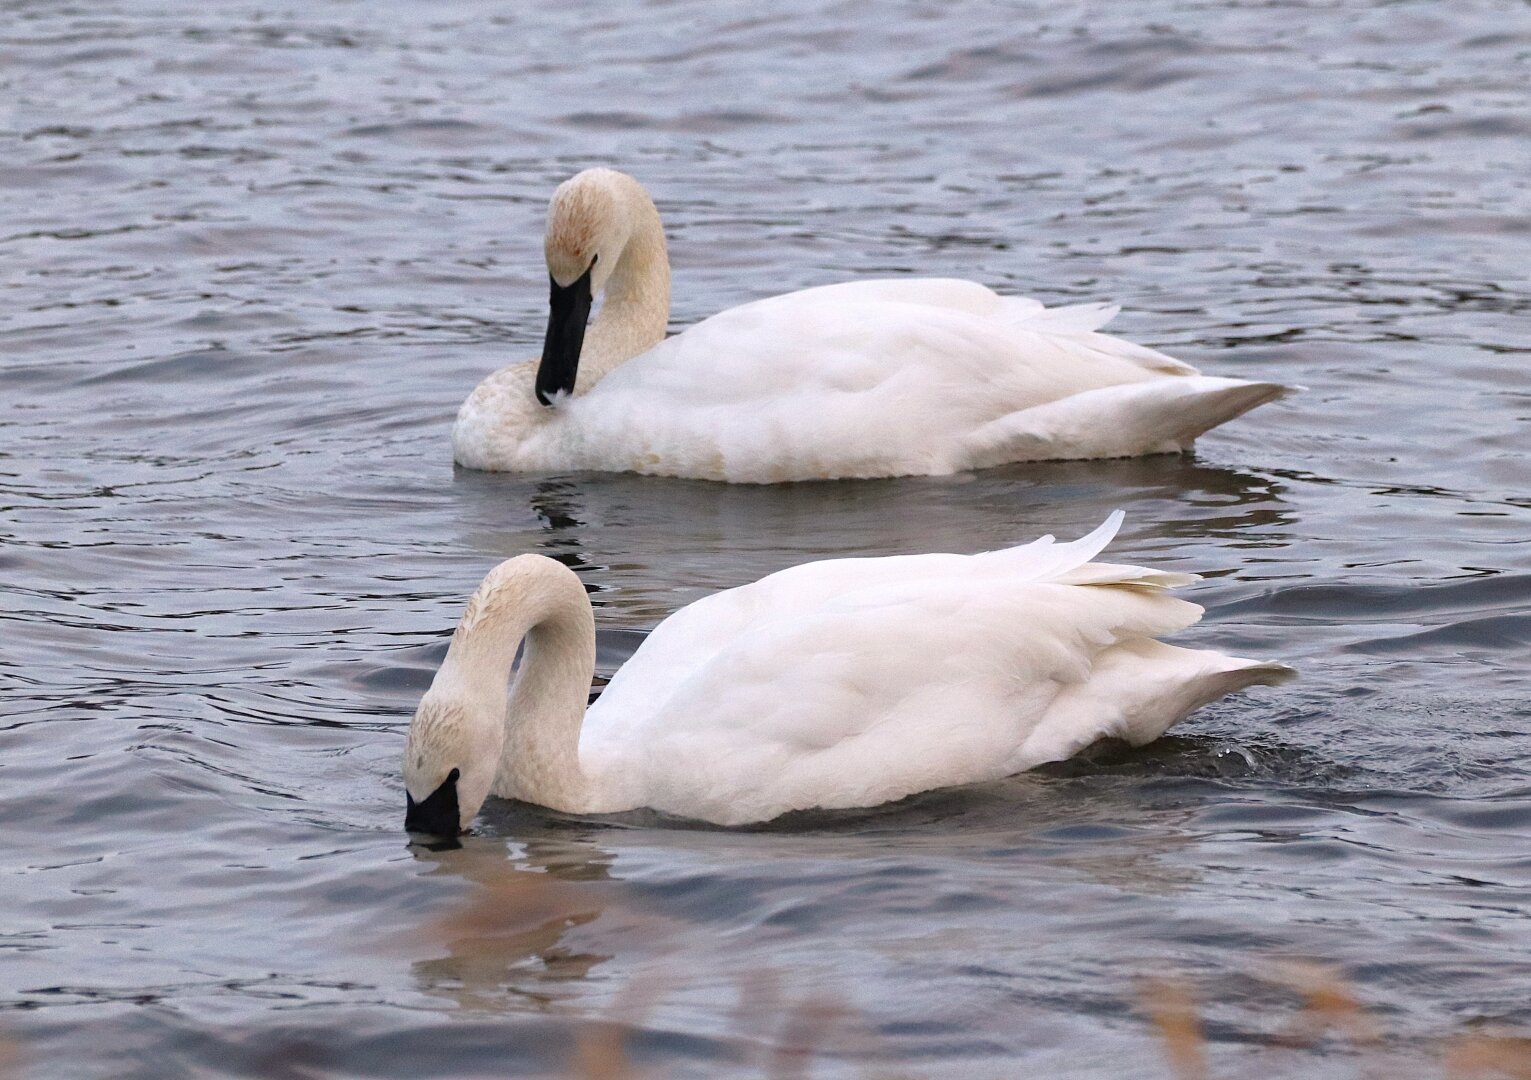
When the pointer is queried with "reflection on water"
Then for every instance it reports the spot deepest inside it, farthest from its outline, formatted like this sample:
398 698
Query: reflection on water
710 536
257 259
509 938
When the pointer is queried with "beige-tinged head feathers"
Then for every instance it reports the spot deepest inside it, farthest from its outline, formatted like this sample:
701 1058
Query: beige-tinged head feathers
435 723
470 723
451 746
606 256
588 223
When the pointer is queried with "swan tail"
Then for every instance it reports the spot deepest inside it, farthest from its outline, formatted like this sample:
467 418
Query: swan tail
1068 319
1044 559
1155 416
1138 577
1138 690
1081 323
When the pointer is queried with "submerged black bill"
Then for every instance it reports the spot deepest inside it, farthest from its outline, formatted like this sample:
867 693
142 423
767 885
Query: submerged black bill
436 814
569 311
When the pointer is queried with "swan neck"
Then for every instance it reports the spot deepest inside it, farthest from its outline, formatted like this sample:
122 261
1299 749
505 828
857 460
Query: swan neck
549 616
635 310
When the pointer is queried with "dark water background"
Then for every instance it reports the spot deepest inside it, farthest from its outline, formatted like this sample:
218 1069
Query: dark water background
253 257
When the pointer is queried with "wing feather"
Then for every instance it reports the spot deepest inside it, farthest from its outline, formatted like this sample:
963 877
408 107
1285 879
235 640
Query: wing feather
856 681
846 380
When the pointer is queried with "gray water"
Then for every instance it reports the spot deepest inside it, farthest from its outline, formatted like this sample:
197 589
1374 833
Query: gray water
254 258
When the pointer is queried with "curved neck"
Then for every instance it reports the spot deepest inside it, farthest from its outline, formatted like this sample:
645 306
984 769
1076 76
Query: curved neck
537 601
635 311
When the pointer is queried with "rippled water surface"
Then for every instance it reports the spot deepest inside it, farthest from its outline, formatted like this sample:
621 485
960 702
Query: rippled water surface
255 256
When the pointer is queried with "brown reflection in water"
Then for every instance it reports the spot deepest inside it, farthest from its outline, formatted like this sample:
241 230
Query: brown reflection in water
507 947
1141 864
1328 1015
10 1057
508 939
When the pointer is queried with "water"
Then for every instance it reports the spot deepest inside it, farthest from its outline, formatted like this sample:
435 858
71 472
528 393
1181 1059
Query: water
254 258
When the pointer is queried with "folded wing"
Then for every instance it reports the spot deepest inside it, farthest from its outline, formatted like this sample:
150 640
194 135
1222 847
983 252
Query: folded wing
948 671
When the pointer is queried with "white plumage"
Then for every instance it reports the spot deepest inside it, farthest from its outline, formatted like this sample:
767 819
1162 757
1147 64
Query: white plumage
862 379
842 683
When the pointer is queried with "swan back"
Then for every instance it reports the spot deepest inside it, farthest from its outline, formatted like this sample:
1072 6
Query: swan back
855 682
859 379
691 638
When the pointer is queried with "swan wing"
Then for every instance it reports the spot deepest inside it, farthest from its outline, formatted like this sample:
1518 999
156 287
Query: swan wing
861 379
890 691
937 670
1158 415
954 293
961 295
689 640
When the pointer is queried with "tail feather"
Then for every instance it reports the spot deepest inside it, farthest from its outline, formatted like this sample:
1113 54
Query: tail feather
1069 319
1140 577
1155 416
1082 323
1138 690
1044 559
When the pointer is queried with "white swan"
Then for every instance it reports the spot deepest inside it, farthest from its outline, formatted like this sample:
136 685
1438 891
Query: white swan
868 378
843 683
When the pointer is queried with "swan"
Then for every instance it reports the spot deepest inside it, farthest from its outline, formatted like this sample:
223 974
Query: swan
916 377
834 684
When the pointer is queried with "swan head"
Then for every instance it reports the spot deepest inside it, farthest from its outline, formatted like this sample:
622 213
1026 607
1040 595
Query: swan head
449 766
590 221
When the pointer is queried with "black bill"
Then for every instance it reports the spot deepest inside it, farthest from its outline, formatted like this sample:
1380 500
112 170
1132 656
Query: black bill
570 310
436 814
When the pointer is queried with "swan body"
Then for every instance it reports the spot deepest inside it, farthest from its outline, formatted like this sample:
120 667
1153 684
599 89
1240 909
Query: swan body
843 683
861 379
